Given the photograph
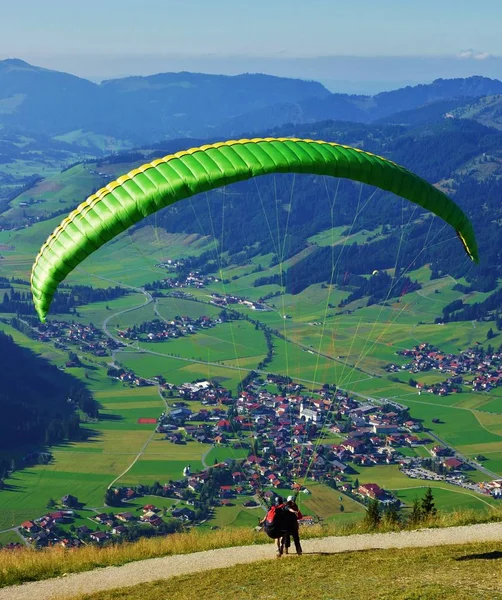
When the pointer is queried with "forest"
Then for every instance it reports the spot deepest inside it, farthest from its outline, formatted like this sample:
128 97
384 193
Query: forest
40 404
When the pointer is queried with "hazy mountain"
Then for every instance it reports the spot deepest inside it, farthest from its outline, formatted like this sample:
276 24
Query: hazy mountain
141 110
137 109
487 110
367 109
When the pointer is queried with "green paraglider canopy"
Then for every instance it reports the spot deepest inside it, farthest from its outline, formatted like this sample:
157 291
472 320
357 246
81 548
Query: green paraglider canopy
153 186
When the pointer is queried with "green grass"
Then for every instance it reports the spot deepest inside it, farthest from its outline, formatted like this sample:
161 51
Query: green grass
146 471
220 453
178 370
8 537
334 237
463 572
325 503
232 342
30 565
444 499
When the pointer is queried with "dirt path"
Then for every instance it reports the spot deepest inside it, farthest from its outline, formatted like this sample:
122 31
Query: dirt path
161 568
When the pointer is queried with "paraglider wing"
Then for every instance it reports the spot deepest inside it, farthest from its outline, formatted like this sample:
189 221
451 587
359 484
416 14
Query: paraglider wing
162 182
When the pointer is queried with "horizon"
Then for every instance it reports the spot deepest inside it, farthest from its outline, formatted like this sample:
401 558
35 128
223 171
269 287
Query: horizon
368 86
367 50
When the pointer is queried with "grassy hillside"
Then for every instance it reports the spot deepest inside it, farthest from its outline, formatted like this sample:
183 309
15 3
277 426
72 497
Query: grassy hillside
463 572
31 565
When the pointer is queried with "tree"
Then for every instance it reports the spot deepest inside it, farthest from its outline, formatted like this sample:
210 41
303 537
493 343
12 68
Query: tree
490 335
428 508
373 514
416 515
391 516
51 503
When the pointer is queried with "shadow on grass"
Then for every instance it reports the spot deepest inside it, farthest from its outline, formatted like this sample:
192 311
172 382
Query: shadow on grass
110 417
9 487
496 554
322 553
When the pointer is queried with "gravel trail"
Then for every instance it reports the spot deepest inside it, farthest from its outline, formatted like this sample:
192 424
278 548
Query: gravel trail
161 568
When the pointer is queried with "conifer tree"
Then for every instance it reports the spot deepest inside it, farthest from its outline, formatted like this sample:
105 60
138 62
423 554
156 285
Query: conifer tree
373 514
428 508
416 515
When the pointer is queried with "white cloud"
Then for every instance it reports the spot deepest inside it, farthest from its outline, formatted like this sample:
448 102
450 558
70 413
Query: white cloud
471 54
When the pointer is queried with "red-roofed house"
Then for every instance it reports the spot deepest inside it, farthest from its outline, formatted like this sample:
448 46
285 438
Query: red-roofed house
29 526
453 463
371 490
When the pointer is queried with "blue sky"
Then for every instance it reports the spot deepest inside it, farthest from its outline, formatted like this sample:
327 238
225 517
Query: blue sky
397 40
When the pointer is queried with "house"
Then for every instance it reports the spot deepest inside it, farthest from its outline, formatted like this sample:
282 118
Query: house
371 490
149 514
29 526
69 501
440 451
83 530
39 539
124 517
353 446
130 493
184 514
453 463
99 536
119 530
57 517
101 518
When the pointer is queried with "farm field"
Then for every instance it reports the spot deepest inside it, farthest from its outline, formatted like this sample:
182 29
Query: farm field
444 499
179 370
225 342
326 504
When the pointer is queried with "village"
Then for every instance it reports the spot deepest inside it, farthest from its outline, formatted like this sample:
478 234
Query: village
288 435
86 338
476 368
161 330
193 279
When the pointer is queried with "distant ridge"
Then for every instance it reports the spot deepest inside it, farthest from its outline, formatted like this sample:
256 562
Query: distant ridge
140 110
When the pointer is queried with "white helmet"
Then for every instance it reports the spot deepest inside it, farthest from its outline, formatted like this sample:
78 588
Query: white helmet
290 499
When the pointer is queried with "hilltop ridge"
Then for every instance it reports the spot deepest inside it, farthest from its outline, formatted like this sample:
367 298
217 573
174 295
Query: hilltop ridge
151 570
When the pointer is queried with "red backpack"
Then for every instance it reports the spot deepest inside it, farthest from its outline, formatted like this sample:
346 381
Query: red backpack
271 515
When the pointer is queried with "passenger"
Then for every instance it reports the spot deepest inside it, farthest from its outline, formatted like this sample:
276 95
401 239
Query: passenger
278 523
291 508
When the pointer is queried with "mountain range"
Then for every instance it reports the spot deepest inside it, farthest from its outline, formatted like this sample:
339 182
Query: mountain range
135 111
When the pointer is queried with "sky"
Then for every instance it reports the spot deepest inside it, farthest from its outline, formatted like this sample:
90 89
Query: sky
351 42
